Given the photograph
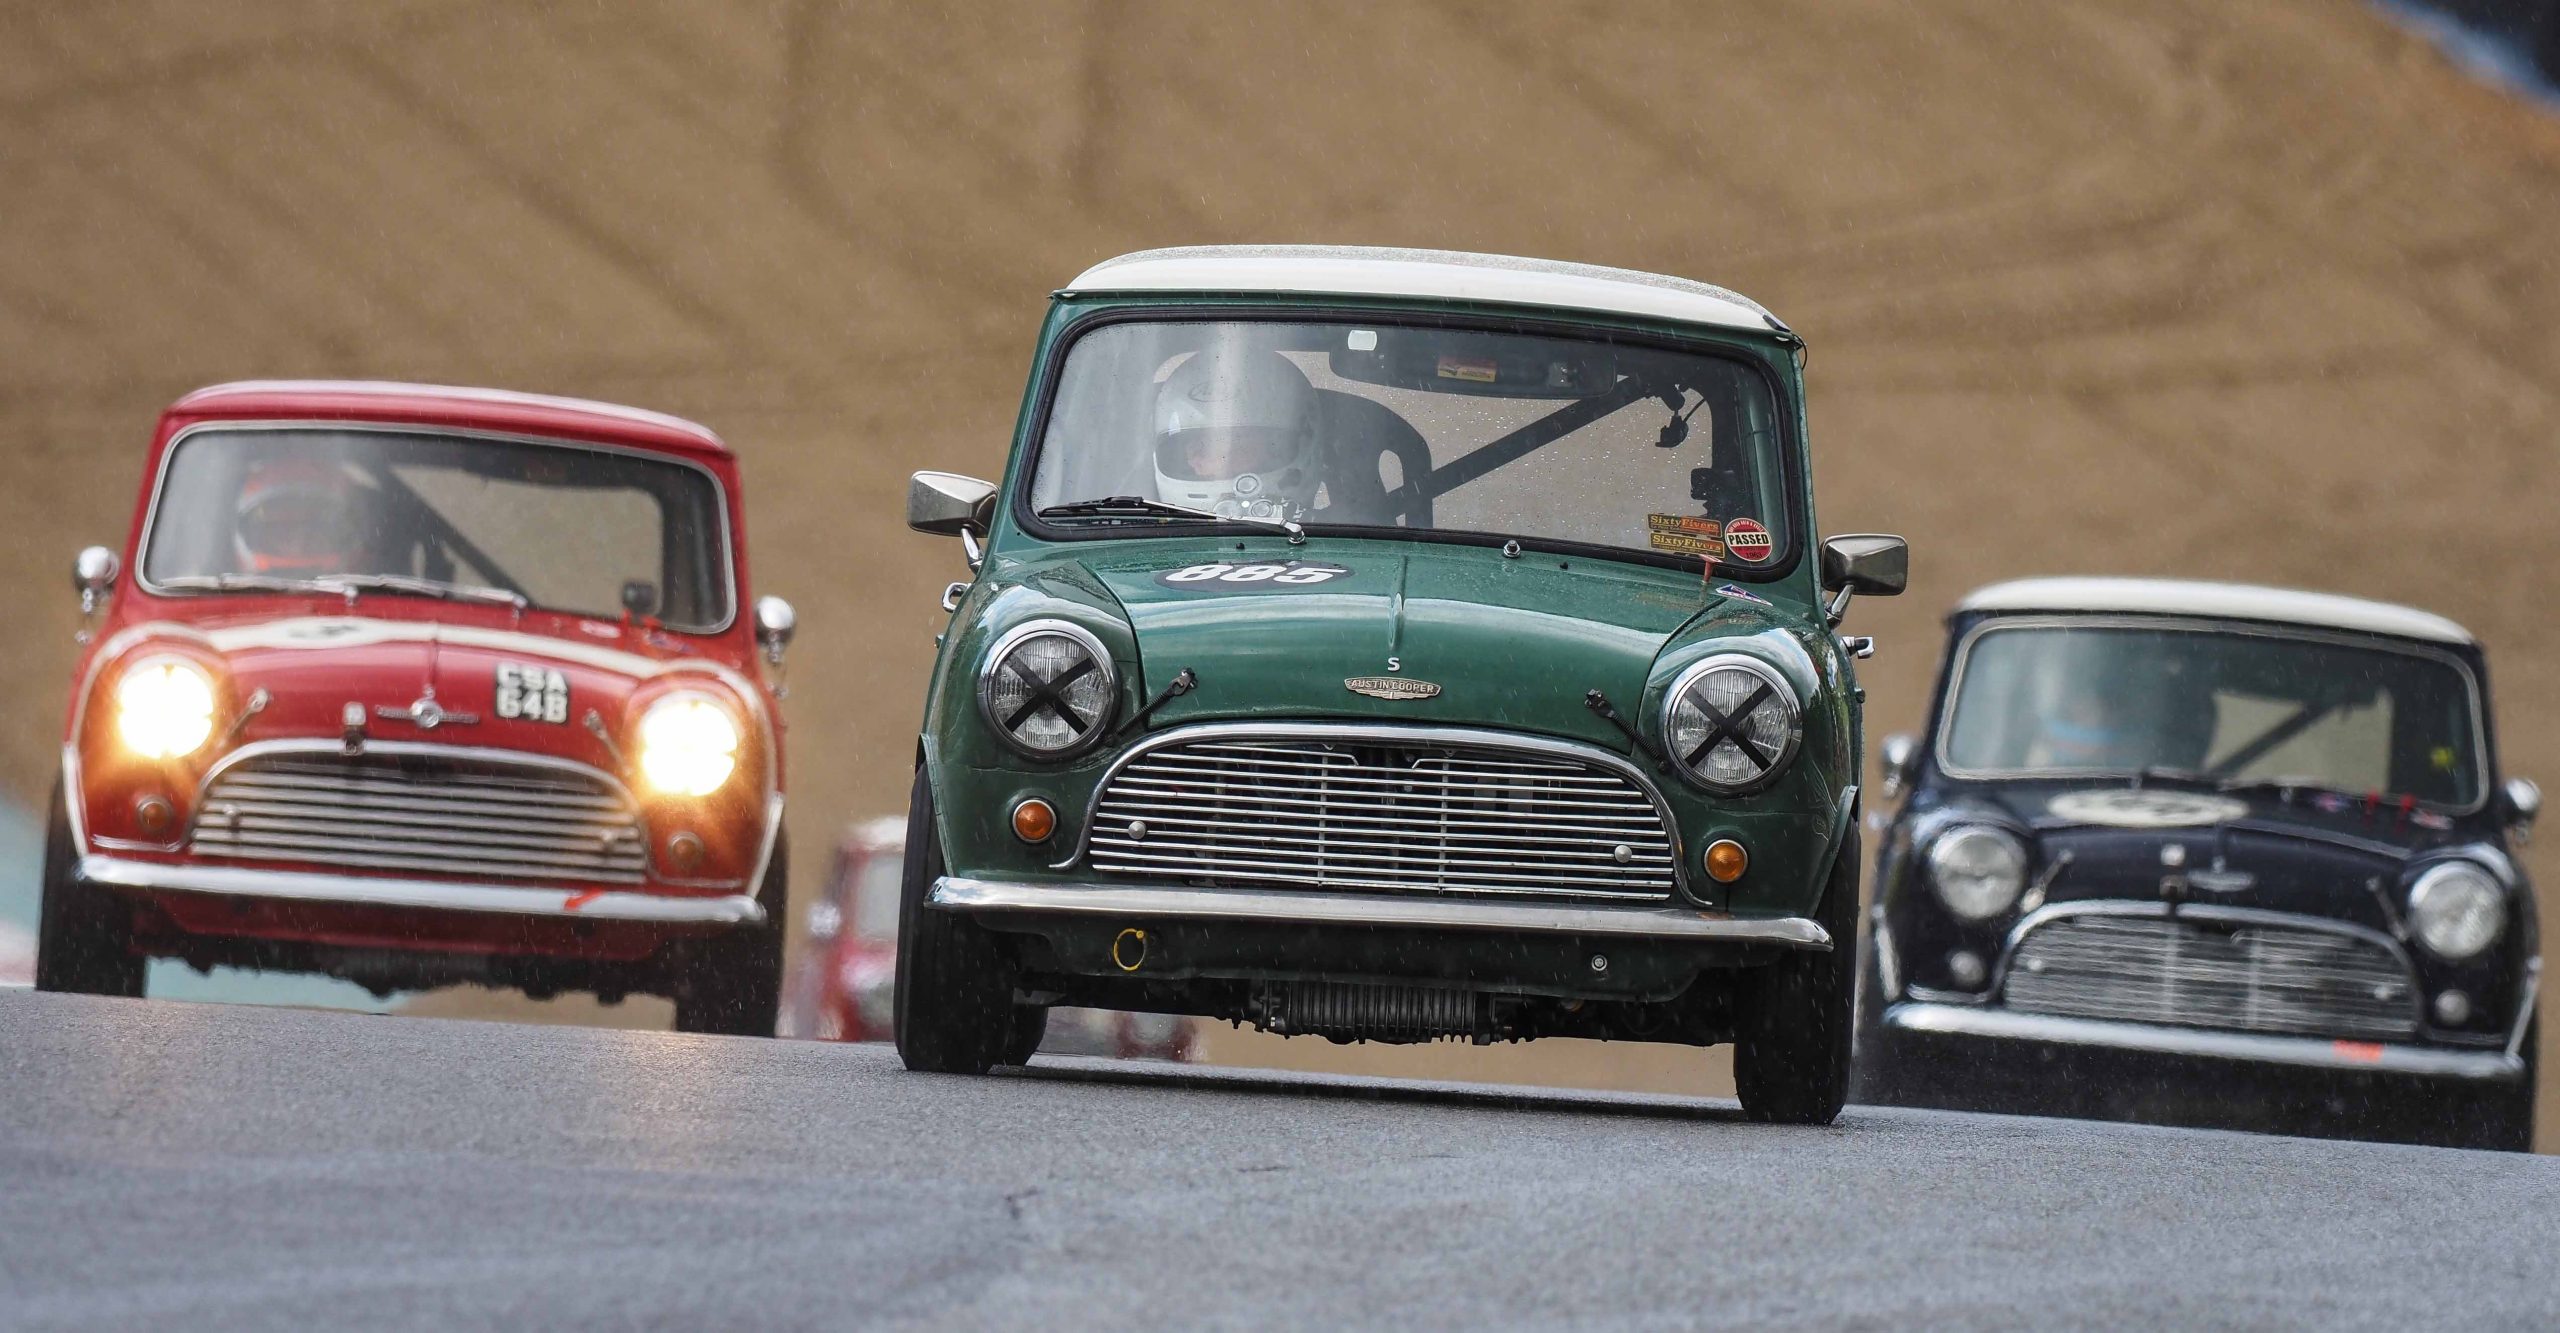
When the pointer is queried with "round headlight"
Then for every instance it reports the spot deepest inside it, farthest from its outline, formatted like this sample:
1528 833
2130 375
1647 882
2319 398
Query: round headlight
164 707
688 745
1978 872
1732 724
1047 689
2457 910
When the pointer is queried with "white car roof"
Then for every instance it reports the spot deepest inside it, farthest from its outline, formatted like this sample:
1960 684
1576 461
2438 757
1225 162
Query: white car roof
1444 275
2230 601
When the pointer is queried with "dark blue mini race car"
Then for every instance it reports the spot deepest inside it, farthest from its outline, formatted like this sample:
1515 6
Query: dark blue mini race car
2207 853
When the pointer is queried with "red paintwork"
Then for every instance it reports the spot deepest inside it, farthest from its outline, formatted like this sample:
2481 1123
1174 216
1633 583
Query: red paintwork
841 988
613 667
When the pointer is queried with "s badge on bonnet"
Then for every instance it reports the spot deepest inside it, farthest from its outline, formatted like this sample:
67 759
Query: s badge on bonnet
1391 687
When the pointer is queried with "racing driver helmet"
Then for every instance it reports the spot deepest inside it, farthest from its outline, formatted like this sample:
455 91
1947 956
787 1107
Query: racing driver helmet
299 518
1236 435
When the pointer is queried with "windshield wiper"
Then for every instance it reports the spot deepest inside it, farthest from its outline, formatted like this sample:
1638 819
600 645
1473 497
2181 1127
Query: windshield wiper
2174 777
1138 506
256 582
340 585
467 592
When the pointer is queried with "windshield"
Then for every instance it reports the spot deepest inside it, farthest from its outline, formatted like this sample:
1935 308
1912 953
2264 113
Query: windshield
1375 425
565 528
2232 707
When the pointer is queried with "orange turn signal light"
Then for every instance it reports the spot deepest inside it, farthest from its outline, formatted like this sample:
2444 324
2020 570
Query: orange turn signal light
1726 860
1034 821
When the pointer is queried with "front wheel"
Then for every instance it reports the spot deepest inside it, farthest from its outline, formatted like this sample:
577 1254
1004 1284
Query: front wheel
1792 1040
84 936
733 984
955 1010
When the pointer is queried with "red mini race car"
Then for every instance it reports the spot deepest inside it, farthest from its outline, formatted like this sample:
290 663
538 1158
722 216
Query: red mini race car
844 986
421 686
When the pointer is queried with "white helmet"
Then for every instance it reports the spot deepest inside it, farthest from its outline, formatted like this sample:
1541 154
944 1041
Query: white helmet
1236 435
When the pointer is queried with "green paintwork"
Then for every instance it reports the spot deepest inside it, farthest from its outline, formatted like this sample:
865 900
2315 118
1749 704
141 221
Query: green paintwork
1515 644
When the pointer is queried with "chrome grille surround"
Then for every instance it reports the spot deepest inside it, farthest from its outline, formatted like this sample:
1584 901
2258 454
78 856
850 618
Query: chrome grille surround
441 810
1412 809
2228 969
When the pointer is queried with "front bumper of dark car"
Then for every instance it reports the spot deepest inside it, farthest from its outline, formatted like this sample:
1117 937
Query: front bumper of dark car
1993 1024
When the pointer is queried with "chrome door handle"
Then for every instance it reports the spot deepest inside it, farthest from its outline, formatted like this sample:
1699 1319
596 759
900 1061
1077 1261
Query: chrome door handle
951 596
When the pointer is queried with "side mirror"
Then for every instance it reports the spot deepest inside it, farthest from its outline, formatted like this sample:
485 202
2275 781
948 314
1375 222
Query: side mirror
93 576
776 622
1868 562
947 504
1898 752
2523 801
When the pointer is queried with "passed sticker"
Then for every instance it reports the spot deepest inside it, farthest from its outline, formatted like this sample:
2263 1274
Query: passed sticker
1747 541
1682 534
532 693
1268 576
1475 369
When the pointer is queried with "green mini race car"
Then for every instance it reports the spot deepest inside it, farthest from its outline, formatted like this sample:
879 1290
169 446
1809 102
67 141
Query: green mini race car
1396 646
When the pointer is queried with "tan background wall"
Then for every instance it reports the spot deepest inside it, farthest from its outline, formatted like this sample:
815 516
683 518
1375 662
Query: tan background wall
2239 290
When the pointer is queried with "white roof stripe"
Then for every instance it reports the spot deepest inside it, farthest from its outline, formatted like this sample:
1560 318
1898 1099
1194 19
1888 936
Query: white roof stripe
2231 601
460 393
1445 275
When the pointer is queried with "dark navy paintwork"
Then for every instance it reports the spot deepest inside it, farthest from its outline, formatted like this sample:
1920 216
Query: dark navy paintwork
2324 856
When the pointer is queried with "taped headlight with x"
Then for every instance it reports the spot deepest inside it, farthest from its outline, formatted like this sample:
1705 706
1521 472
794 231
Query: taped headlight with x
1048 691
1732 724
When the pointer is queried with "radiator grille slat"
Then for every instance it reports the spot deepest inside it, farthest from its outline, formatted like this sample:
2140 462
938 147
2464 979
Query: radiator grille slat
2294 980
430 814
1382 815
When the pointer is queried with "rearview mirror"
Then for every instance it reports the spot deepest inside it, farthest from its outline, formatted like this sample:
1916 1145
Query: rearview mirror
93 576
1867 562
947 504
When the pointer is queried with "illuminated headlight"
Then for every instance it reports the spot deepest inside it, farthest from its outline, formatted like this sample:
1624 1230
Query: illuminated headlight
688 745
1978 872
164 708
1732 724
1048 689
2457 910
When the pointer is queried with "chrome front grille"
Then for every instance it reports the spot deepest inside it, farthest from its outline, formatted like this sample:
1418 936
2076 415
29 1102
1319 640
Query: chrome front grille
1358 813
434 813
2234 976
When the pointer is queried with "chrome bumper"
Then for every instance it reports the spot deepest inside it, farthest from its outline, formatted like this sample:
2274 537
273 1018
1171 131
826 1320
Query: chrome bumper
1966 1020
956 893
432 894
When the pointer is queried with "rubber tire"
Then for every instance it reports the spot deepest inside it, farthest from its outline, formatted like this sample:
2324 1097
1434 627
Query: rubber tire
2503 1119
954 995
1030 1028
84 936
1876 1074
1795 1017
733 984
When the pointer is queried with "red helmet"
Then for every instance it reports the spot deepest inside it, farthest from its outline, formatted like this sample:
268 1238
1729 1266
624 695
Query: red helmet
299 517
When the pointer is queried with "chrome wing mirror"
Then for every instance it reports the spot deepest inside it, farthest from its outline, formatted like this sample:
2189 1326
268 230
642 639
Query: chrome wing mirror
948 504
1870 562
2522 798
776 622
1898 752
93 576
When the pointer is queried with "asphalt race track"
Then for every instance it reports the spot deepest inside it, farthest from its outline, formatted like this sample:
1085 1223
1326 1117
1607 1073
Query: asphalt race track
170 1166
